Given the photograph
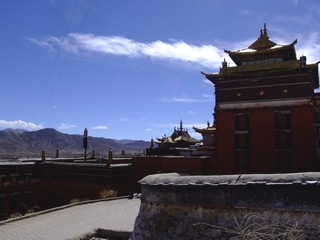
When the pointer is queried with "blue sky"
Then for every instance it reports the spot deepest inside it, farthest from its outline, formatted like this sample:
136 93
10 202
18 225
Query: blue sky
131 69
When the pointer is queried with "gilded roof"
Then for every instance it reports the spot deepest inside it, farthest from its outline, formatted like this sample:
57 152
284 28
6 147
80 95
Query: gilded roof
263 41
263 48
178 135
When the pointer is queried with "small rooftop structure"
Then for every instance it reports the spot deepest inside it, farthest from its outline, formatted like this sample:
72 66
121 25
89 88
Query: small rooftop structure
179 138
208 140
179 141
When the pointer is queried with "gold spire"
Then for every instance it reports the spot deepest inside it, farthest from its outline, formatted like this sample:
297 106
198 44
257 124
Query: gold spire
265 30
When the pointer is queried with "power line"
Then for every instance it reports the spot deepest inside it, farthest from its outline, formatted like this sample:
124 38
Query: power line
59 77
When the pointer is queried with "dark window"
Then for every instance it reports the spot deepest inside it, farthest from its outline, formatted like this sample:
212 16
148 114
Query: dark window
283 131
241 141
283 140
242 122
282 120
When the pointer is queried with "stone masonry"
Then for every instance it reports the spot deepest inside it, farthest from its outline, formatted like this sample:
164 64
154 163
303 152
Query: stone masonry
219 207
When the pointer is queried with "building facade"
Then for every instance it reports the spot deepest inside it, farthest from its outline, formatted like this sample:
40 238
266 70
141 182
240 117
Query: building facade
265 113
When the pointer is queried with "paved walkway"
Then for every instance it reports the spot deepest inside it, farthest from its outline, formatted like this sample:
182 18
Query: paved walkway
72 222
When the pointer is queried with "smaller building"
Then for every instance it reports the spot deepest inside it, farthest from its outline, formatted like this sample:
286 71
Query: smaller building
179 143
207 147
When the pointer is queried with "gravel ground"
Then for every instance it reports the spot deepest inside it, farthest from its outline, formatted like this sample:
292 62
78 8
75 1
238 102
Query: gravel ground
72 222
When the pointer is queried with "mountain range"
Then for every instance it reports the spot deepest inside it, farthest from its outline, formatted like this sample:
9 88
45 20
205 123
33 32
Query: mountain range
22 143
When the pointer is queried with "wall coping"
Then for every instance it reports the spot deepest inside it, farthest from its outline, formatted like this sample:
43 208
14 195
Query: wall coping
175 179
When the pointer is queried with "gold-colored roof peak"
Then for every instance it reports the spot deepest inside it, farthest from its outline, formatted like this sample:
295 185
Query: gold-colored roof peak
263 41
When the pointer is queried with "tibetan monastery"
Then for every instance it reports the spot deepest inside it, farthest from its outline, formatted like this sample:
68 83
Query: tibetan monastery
267 112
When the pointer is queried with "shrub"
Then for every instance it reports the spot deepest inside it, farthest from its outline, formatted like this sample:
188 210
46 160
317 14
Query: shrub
108 193
74 200
23 209
36 209
3 216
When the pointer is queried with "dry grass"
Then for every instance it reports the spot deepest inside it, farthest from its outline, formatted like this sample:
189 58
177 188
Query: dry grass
252 227
108 193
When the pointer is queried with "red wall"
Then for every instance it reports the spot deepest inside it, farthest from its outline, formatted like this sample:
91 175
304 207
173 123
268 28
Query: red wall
224 143
262 141
304 139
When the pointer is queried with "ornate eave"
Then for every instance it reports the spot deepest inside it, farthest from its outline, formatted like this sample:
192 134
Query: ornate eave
284 52
208 130
213 77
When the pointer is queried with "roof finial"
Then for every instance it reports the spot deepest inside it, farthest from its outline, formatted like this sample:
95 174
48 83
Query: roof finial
265 30
181 128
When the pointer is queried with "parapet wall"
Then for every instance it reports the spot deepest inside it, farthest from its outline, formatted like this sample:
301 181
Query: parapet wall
209 207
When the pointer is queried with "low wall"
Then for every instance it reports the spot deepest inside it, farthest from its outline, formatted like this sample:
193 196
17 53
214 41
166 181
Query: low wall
218 207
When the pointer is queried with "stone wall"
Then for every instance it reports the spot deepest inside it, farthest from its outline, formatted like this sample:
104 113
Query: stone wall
219 207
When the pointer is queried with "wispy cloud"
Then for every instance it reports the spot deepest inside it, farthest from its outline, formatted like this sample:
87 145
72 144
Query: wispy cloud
183 98
207 82
64 126
124 120
100 127
149 130
42 43
205 55
310 48
19 124
173 50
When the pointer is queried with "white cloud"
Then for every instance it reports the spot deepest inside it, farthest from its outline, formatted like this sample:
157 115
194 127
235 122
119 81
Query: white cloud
191 112
100 127
183 99
64 126
174 50
149 130
310 48
207 82
19 124
42 43
205 55
205 95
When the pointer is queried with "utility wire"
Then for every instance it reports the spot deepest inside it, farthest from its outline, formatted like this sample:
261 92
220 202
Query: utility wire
44 90
58 79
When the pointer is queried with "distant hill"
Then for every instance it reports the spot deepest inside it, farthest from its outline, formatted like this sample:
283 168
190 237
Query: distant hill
21 143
